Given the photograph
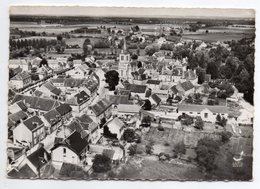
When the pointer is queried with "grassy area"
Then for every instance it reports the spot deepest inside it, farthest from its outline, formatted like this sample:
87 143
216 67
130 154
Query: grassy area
213 37
140 168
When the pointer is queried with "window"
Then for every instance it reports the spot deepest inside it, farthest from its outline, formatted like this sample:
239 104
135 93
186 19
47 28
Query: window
198 113
214 113
205 115
121 72
191 112
126 58
122 58
64 151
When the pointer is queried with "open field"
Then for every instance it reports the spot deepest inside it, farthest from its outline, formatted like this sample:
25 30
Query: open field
147 168
213 37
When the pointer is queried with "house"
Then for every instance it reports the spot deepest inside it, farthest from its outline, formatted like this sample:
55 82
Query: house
118 99
128 109
31 166
57 64
102 109
153 84
206 112
113 128
44 71
22 63
79 101
31 130
37 105
50 91
155 99
185 88
21 80
90 86
246 117
90 127
16 107
191 76
136 89
52 120
65 111
79 72
72 150
77 63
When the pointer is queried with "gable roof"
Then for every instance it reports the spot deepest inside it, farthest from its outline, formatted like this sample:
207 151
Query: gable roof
199 108
118 99
33 123
101 106
154 82
52 116
156 98
18 116
63 109
81 97
186 85
39 158
115 122
135 88
33 102
21 76
174 89
129 108
76 142
24 172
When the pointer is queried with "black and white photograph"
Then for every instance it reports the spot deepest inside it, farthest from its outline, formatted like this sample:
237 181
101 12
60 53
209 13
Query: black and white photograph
127 93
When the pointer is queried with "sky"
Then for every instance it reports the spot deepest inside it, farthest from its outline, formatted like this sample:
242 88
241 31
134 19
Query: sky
130 11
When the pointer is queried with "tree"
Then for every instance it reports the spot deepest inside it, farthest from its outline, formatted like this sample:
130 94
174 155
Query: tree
199 124
221 121
132 150
139 65
101 163
147 105
151 49
207 149
112 78
146 121
134 57
149 148
87 47
201 75
179 149
225 136
129 135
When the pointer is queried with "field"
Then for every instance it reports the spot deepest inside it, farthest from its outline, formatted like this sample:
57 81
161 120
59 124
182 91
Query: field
213 37
146 168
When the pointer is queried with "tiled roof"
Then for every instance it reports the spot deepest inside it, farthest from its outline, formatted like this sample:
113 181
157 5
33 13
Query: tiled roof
18 62
52 116
199 108
81 97
24 172
63 109
187 85
130 108
174 90
39 158
36 102
76 126
71 82
116 123
21 76
135 88
76 142
156 98
154 82
33 123
118 99
21 105
101 106
17 116
38 93
58 80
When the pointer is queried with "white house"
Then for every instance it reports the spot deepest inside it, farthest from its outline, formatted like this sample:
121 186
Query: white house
114 127
128 109
79 101
79 72
22 63
72 150
206 112
21 80
31 130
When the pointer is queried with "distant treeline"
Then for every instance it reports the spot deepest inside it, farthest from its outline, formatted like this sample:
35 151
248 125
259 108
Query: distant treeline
124 20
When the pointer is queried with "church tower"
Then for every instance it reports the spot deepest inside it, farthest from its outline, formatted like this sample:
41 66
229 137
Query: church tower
124 60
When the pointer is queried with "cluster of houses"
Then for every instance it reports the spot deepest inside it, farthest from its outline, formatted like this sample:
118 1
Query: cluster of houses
64 120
